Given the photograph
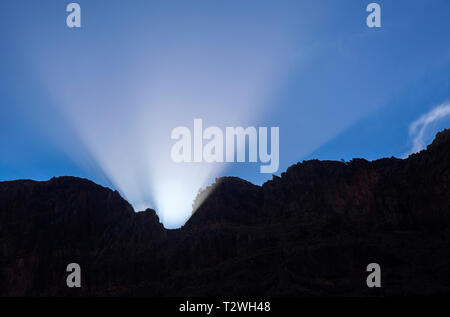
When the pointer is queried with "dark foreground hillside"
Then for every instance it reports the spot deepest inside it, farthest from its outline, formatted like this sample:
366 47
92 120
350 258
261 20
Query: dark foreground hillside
310 232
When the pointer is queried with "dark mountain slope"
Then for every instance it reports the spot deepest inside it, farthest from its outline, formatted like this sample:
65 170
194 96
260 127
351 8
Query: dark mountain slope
311 231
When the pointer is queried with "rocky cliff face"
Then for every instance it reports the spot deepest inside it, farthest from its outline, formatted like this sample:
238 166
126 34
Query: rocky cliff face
311 231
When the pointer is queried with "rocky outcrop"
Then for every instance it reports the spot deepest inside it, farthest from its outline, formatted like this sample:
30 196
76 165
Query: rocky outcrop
311 231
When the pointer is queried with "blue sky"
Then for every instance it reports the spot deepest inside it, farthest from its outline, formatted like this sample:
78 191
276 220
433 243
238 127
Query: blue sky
100 101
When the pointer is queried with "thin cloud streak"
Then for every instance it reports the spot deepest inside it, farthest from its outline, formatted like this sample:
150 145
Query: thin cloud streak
418 128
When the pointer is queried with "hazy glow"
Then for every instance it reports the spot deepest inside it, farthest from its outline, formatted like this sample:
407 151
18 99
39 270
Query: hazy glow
124 104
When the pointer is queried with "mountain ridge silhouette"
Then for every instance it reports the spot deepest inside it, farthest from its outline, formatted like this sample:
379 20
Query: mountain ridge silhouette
312 231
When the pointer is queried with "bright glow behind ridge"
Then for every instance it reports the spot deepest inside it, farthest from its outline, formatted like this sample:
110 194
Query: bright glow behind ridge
123 103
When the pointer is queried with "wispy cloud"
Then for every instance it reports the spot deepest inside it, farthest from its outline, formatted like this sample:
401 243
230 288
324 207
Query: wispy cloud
418 128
